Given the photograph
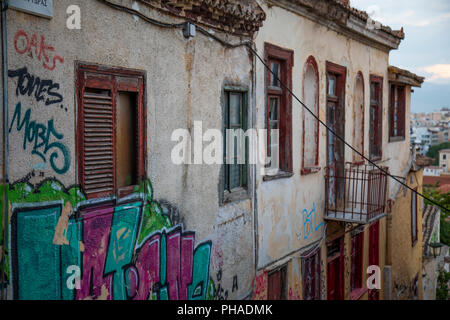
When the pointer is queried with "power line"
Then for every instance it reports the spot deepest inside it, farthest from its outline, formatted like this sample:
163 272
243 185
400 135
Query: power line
340 138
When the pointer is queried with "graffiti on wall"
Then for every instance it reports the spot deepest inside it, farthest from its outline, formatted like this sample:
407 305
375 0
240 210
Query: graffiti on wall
43 52
310 223
43 139
121 250
261 287
44 90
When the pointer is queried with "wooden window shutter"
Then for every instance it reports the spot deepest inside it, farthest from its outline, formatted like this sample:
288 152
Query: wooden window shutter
97 135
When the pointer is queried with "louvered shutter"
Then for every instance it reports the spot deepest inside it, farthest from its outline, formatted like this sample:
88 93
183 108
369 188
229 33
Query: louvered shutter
97 138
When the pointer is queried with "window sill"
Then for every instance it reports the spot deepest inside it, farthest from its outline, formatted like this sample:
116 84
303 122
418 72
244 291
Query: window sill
278 176
237 195
310 170
359 162
376 159
396 139
357 293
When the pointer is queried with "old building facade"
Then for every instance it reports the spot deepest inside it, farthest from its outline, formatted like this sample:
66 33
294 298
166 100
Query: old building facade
111 189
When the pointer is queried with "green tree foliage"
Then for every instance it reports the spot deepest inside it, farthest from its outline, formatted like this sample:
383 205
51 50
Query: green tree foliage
433 152
442 287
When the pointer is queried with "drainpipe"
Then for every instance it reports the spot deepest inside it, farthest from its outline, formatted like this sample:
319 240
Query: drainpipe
4 7
254 173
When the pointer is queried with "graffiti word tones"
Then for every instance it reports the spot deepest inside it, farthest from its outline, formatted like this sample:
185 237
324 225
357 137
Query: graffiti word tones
41 89
44 139
24 43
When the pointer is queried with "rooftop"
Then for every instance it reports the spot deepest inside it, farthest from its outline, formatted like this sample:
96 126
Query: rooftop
340 16
234 16
405 77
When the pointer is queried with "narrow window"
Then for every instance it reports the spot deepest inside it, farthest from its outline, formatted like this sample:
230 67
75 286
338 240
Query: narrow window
397 113
236 146
310 124
414 217
358 118
376 121
279 110
110 130
311 277
277 285
357 261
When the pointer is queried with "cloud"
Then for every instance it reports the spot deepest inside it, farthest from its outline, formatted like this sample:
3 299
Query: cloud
398 14
437 73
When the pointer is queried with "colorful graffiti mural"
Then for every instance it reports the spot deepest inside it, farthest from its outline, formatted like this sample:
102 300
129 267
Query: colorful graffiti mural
64 247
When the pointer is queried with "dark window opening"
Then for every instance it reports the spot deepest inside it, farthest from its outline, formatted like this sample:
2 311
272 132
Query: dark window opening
357 261
397 112
126 143
279 110
236 151
311 277
376 114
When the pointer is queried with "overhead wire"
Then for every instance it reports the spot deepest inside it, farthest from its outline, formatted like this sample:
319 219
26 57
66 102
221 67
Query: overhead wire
250 45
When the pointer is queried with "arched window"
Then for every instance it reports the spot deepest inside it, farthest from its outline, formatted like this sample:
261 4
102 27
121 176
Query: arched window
358 117
310 125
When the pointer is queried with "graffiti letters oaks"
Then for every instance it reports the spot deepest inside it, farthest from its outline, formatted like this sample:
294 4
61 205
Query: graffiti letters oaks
125 249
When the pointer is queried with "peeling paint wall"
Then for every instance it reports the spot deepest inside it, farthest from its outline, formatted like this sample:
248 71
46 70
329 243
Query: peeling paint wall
281 203
406 257
284 206
185 80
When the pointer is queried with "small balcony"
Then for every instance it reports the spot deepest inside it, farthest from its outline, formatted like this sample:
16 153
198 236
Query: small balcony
355 193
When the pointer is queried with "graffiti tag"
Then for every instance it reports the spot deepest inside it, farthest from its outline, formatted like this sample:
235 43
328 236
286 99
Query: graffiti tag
23 44
40 136
44 90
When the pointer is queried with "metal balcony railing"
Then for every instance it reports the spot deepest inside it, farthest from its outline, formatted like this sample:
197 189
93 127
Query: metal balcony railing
355 193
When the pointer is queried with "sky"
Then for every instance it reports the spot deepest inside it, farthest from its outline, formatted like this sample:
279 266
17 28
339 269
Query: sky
426 48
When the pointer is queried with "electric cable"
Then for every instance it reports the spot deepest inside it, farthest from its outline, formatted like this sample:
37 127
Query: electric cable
340 138
250 44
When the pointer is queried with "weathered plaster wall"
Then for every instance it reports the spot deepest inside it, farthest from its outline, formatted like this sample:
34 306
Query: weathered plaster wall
282 202
398 153
185 79
406 258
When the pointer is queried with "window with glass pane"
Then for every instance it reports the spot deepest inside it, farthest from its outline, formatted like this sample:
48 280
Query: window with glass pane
397 112
275 70
331 85
235 153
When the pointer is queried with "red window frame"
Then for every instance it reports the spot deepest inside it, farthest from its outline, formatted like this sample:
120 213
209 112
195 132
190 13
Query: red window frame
357 159
377 104
311 61
311 276
276 289
356 279
116 80
397 115
285 58
414 230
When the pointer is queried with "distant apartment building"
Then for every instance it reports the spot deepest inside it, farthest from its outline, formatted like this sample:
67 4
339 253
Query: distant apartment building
433 171
444 159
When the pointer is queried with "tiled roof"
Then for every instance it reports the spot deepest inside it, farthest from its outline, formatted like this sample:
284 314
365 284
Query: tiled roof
442 180
235 16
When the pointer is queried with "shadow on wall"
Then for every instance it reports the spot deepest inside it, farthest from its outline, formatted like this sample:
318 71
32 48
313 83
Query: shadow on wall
64 247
